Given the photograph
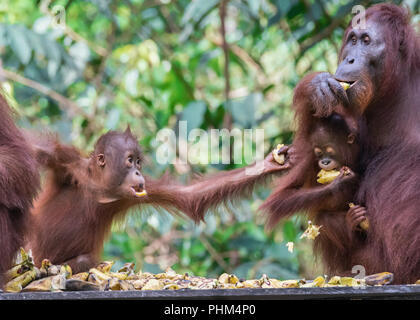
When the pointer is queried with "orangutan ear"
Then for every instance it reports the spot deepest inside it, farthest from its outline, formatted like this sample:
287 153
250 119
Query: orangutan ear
351 138
100 160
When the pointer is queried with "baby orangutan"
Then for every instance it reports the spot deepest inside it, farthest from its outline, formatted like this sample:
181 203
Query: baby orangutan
83 196
323 187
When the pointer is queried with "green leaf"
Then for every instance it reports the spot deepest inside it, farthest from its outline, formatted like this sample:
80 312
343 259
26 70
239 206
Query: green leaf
197 9
289 231
194 114
112 119
19 43
243 110
3 35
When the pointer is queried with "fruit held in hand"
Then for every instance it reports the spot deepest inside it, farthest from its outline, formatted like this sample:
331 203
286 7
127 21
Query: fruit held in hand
325 177
280 158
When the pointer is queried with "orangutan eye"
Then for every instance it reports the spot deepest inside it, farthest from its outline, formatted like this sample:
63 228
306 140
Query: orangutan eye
130 160
366 39
138 162
330 151
353 39
318 152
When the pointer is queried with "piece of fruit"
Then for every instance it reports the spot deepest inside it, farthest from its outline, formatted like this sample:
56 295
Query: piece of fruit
99 275
105 266
345 85
325 177
80 276
380 279
290 246
365 223
280 158
80 285
153 284
18 283
141 194
311 232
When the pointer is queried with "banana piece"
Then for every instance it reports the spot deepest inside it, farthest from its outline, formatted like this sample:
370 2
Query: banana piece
325 177
119 285
380 279
365 223
52 283
18 283
105 266
344 85
98 275
280 159
127 268
17 270
80 276
289 284
153 284
311 232
141 194
290 246
80 285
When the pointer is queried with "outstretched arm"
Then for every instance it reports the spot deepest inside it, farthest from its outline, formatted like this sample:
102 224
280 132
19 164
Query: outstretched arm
211 191
165 193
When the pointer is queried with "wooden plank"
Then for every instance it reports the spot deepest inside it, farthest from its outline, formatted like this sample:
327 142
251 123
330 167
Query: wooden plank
384 292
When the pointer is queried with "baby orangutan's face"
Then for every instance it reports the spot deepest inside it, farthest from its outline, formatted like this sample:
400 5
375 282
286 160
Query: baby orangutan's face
327 157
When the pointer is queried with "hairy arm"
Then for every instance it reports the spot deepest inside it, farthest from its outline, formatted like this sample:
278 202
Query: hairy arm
283 203
165 193
211 191
65 162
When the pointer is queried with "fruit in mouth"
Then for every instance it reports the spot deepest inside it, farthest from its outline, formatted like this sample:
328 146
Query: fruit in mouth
346 84
139 192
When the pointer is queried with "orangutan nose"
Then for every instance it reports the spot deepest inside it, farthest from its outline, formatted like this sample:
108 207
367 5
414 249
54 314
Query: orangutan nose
326 162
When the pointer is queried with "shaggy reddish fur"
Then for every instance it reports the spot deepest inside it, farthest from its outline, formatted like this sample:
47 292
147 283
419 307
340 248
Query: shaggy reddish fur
70 223
19 183
390 156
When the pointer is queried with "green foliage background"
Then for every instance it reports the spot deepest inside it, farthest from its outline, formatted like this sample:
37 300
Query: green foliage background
152 63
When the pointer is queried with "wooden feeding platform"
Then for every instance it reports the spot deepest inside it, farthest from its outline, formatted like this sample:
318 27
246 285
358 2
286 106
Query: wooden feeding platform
405 292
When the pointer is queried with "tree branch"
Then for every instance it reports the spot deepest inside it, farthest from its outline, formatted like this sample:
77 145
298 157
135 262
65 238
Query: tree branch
227 121
64 103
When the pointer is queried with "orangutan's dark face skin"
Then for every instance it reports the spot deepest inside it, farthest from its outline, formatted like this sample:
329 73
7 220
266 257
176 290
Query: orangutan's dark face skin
362 54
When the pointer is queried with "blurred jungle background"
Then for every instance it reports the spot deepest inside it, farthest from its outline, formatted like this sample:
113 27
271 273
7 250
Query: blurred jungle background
81 68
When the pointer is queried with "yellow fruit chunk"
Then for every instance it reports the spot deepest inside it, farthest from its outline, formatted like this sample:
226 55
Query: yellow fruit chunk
280 158
105 266
311 232
153 284
325 177
345 85
290 246
365 223
20 282
379 279
141 194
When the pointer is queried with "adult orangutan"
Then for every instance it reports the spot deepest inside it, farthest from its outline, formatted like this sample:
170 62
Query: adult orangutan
382 65
19 183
